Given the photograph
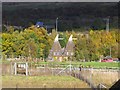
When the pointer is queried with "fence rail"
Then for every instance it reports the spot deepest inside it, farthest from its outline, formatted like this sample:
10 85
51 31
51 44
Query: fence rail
101 87
112 69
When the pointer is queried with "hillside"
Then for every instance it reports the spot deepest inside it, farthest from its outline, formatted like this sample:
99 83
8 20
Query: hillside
71 15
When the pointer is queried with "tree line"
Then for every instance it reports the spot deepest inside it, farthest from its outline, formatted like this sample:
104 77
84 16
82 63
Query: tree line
36 42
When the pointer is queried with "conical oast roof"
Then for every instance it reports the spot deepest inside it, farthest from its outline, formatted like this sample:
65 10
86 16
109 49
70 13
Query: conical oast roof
56 45
56 48
69 47
57 51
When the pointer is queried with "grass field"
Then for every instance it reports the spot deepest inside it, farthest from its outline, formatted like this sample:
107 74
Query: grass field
106 78
42 82
64 64
93 64
49 81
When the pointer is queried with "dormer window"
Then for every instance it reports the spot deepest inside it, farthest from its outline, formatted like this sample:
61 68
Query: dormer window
54 53
67 53
71 53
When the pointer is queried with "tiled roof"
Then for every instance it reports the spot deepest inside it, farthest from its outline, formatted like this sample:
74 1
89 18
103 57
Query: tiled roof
56 45
56 49
69 47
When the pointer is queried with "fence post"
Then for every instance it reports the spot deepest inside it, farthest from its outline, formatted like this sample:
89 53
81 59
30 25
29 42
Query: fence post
26 69
15 65
11 68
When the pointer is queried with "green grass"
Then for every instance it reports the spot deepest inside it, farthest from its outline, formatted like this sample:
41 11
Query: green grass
4 61
43 81
64 64
93 64
100 64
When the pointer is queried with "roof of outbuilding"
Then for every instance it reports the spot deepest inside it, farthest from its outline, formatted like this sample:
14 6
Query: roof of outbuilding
70 46
56 45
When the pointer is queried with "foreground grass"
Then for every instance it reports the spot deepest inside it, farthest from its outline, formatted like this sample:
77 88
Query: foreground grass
106 78
42 82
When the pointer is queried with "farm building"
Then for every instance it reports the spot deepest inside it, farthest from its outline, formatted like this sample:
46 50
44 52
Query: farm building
69 50
58 53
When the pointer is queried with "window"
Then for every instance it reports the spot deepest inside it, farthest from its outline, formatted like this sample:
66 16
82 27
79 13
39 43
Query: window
71 53
54 53
67 53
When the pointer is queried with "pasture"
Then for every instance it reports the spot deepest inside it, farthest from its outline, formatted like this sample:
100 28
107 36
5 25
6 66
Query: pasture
42 82
107 78
45 77
64 64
